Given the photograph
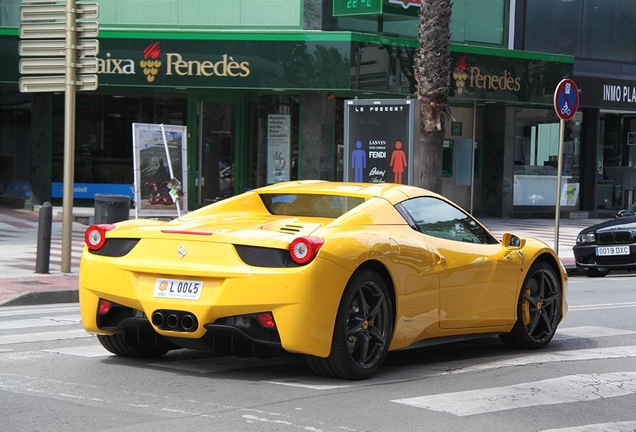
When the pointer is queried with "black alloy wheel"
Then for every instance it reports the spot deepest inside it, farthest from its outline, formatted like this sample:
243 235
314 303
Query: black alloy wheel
538 309
363 330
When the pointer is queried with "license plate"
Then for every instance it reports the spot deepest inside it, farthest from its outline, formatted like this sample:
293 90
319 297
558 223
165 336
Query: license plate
612 250
178 289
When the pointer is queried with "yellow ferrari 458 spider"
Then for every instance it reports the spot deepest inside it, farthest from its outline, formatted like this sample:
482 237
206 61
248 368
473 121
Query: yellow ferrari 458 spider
341 273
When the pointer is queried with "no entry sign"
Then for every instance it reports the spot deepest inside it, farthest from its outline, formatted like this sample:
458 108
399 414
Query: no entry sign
566 99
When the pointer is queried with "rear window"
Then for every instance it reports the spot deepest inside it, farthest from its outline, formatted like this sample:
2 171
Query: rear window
312 205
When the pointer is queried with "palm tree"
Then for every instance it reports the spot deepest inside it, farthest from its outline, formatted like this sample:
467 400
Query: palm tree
432 74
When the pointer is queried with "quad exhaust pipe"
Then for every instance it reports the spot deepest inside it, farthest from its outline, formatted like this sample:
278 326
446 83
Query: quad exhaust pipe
175 320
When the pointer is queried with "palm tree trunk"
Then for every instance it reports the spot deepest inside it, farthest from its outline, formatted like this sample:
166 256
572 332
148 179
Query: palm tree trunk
432 73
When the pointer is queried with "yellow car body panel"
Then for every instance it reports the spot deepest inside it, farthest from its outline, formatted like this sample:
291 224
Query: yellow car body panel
437 289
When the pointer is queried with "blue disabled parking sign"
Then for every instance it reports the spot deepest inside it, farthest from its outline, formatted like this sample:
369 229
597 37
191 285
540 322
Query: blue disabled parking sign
566 99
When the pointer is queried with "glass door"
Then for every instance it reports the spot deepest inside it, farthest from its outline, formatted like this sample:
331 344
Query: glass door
216 152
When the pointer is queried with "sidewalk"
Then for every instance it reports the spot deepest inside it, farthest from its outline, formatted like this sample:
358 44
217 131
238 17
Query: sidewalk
21 285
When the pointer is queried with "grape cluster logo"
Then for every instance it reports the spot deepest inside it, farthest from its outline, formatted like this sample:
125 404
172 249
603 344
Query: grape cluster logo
460 75
150 65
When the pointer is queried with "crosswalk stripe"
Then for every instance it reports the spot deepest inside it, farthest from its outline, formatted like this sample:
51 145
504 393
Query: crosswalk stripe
43 336
589 332
566 389
40 322
550 357
12 311
602 306
82 351
626 426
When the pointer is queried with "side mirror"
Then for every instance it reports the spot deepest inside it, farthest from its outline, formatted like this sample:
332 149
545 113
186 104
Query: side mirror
620 213
512 241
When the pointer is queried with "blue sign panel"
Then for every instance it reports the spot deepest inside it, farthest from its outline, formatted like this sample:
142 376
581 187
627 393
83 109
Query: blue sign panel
566 99
88 190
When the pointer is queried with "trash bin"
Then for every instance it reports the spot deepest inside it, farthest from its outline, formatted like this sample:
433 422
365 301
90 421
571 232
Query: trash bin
111 208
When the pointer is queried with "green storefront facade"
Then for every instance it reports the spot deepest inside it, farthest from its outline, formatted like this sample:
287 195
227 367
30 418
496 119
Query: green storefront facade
226 87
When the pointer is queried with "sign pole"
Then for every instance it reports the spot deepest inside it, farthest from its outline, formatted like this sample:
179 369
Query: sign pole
557 215
69 137
566 103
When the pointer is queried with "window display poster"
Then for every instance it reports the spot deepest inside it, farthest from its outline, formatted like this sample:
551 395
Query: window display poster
378 141
278 147
160 165
569 194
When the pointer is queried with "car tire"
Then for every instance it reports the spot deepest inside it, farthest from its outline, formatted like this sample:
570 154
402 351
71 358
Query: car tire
538 309
362 331
124 347
595 272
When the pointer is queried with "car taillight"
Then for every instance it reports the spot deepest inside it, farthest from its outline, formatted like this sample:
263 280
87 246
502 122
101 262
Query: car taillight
266 319
104 307
304 249
95 235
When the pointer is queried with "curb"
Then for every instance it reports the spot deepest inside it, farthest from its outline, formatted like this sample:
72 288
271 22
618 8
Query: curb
43 297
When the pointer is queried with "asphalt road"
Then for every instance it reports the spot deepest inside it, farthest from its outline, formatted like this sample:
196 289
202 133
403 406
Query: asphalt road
55 377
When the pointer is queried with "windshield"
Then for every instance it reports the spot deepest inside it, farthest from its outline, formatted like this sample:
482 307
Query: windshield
631 210
313 205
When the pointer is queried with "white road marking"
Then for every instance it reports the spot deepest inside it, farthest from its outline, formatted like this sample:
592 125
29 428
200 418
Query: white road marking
40 322
205 366
587 332
626 426
38 310
567 389
601 306
43 336
307 384
557 356
82 351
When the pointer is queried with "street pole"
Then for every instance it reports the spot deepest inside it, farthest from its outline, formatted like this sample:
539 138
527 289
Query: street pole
558 192
566 103
69 136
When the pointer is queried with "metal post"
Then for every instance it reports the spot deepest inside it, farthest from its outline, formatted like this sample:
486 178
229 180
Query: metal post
472 159
45 222
557 215
69 136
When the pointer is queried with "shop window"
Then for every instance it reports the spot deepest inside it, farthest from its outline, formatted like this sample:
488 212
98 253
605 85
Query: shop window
616 175
275 136
536 156
103 139
15 146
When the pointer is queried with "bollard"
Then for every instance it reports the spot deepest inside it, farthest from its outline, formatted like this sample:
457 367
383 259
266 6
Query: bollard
45 223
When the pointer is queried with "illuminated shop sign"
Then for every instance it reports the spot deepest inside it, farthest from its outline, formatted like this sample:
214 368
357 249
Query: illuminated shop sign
153 62
476 76
376 7
599 92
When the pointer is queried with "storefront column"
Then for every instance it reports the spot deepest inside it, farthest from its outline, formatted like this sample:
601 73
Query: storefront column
316 147
589 158
498 178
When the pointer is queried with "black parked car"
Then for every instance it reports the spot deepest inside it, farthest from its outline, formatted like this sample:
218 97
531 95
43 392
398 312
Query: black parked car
607 246
630 211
